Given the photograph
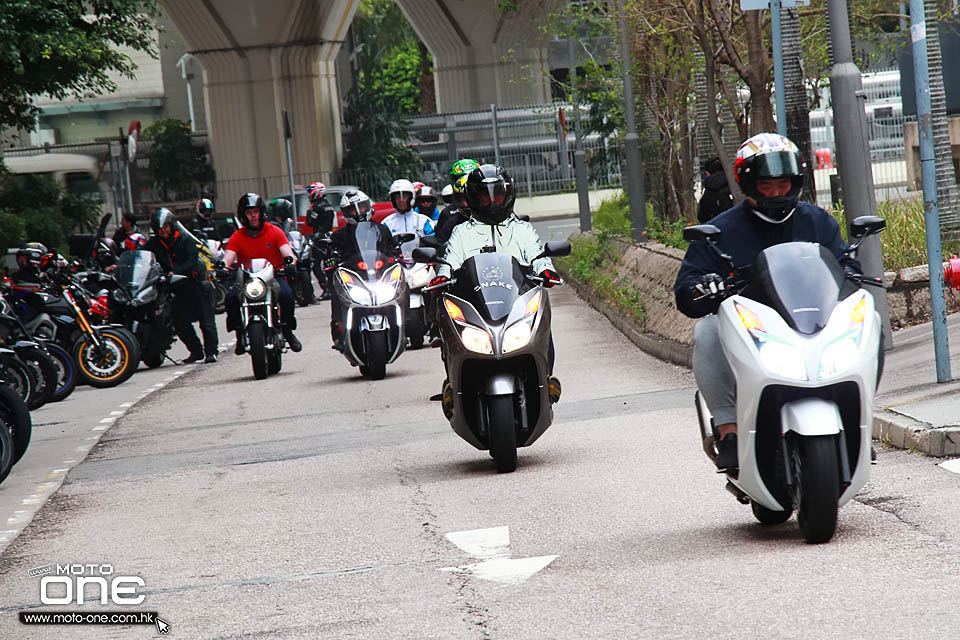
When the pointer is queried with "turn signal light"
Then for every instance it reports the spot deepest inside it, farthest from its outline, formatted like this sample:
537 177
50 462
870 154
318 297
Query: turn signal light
454 311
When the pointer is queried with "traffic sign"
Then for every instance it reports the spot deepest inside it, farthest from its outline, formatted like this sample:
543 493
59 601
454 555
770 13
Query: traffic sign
757 5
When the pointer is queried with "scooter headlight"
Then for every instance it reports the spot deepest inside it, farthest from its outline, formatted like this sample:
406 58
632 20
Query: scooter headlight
840 354
255 289
517 336
476 340
121 296
419 278
147 296
783 359
386 289
357 292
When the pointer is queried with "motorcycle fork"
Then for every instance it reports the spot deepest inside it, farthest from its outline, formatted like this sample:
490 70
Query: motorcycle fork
85 325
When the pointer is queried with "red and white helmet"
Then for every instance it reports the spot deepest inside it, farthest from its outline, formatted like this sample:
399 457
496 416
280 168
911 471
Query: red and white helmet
770 156
315 191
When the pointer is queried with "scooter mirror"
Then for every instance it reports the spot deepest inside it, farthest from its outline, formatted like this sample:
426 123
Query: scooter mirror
555 249
430 241
425 254
701 233
863 226
174 279
401 238
523 217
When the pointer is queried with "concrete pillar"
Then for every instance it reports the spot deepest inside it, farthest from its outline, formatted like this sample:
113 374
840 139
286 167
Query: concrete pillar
481 56
257 61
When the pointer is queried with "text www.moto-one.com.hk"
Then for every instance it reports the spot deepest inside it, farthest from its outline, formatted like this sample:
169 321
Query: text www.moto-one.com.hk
84 617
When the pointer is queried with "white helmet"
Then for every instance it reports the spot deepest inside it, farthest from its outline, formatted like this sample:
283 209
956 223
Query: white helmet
447 194
355 205
401 186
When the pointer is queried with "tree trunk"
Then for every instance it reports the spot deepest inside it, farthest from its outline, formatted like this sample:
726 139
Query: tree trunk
428 92
758 76
795 97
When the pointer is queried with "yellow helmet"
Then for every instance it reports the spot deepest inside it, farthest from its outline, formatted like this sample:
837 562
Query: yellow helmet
460 185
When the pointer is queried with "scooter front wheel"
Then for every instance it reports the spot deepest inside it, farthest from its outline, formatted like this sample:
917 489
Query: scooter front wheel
769 516
816 473
502 432
376 351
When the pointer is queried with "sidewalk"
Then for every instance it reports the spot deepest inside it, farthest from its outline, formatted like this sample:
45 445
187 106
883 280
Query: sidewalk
559 205
911 410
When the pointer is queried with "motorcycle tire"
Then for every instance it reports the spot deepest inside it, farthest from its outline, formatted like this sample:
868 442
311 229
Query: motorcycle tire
769 516
16 374
274 361
16 416
502 432
66 368
6 451
376 367
817 491
308 296
415 328
44 373
256 345
112 364
131 339
220 298
153 360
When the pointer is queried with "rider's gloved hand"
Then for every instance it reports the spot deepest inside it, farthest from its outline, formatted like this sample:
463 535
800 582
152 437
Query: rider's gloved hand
550 278
439 280
710 286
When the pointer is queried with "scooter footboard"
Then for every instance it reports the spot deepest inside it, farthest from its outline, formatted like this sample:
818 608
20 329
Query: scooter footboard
811 417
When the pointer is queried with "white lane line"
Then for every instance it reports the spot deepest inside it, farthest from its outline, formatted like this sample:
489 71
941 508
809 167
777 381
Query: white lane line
18 517
100 428
32 500
117 413
107 420
5 536
125 404
60 470
83 448
69 461
951 465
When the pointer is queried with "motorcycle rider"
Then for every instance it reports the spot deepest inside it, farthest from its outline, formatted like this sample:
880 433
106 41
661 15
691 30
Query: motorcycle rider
177 255
128 226
203 226
280 209
427 203
769 169
490 195
406 220
321 215
31 259
447 195
355 207
257 239
457 215
458 170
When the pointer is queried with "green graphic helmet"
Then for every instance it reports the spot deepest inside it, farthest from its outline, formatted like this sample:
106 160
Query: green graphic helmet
280 209
462 168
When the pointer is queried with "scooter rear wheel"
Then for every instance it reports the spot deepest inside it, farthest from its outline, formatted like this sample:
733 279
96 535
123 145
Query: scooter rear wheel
502 432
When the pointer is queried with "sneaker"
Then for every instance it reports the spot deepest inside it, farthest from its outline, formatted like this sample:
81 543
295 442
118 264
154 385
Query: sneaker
553 389
210 359
291 339
727 452
193 357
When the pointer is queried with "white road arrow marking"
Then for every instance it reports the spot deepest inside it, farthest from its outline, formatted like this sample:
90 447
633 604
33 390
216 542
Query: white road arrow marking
493 545
952 465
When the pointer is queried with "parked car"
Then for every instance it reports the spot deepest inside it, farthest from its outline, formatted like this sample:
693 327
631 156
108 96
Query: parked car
332 195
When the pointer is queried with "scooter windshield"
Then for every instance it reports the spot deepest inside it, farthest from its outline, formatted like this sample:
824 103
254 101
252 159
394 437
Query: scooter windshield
803 281
365 257
492 282
136 269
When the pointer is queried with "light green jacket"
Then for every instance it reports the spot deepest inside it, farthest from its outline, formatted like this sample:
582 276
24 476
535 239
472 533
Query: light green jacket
513 236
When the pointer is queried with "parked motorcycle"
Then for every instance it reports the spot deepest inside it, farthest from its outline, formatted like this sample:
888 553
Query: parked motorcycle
372 298
494 319
260 315
14 420
803 340
105 355
14 333
141 302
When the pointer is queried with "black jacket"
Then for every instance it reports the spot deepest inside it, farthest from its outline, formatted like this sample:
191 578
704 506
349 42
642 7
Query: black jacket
180 257
344 244
445 226
716 197
320 217
744 236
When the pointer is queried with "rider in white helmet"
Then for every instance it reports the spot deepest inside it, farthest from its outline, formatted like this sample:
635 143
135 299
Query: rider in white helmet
406 220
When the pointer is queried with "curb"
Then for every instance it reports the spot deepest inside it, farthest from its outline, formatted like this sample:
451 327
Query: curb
659 347
899 431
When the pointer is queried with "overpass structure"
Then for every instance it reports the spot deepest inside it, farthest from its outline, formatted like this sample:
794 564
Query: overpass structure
262 56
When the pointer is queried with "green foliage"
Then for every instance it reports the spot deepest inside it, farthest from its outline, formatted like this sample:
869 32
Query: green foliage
61 48
592 261
612 218
385 89
32 209
180 168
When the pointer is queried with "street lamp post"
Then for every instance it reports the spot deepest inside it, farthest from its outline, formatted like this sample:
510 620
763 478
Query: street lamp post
631 142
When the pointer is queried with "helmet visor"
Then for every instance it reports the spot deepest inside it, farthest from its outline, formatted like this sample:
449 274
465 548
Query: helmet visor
778 164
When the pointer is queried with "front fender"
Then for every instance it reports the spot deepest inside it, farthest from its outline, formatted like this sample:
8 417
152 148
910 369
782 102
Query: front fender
501 384
811 417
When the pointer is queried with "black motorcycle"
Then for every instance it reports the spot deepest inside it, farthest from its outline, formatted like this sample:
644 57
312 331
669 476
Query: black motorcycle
15 423
141 302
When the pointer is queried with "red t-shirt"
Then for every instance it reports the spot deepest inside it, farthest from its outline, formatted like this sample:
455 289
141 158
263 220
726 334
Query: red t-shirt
266 244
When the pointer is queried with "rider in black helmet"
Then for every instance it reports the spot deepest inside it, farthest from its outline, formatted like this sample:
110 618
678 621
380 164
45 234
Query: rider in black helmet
177 255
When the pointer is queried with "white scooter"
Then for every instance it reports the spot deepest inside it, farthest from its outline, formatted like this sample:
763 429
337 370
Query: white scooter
803 341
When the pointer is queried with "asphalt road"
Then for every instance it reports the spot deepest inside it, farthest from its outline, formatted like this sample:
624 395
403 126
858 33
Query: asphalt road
316 504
